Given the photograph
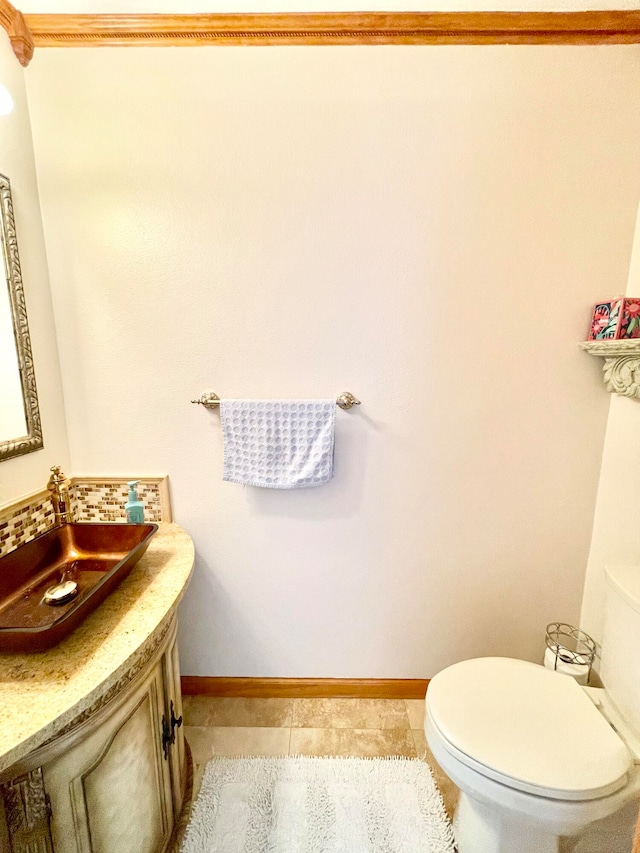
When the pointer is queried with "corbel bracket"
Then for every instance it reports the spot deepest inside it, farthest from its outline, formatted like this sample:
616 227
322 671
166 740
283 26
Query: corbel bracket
621 368
19 33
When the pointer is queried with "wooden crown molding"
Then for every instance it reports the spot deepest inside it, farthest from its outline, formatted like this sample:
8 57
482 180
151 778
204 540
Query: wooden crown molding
14 23
317 28
591 27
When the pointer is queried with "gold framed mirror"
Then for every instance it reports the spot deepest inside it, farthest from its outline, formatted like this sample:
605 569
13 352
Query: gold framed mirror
20 427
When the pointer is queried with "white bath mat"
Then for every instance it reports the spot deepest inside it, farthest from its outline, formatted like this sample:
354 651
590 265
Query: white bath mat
318 805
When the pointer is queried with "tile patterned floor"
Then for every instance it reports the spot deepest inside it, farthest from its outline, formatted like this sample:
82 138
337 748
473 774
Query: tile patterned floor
343 727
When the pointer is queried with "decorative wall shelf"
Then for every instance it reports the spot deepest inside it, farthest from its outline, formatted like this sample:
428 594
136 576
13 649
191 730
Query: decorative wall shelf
621 365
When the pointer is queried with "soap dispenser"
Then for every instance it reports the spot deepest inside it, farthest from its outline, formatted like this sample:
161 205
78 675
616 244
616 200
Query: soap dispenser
134 507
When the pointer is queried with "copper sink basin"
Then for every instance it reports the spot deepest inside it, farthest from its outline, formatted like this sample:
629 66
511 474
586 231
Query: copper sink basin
96 557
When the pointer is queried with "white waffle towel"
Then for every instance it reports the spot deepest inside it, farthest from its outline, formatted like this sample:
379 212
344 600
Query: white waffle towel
278 444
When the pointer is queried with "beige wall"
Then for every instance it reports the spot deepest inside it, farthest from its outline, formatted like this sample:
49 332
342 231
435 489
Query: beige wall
25 474
428 228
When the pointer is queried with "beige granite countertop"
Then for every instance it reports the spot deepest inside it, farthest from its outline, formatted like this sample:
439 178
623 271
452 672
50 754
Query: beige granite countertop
41 693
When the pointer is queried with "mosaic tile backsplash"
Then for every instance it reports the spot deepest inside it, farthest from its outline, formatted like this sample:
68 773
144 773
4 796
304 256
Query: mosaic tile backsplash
91 500
104 500
24 522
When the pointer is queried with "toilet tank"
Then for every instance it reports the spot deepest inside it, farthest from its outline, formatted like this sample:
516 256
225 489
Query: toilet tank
620 661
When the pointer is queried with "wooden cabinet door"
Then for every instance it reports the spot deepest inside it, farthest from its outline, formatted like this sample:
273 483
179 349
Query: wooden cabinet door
173 698
111 791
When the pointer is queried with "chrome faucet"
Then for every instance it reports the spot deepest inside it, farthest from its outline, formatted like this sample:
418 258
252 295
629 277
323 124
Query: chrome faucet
58 485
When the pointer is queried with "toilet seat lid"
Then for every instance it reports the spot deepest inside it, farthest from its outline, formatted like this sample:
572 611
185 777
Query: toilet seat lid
528 727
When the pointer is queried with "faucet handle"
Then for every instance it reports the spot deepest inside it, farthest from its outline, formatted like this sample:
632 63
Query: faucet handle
56 479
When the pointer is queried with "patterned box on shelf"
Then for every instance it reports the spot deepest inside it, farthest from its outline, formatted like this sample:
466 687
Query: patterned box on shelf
619 318
92 499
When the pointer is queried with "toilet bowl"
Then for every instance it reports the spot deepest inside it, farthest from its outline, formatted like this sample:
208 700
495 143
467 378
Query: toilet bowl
537 757
532 754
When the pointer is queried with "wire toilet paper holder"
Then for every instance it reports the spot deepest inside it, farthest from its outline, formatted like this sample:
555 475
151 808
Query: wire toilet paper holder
570 647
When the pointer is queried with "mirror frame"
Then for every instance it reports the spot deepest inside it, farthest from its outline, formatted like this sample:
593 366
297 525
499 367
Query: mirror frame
33 439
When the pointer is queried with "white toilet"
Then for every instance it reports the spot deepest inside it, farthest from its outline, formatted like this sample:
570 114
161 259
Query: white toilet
536 756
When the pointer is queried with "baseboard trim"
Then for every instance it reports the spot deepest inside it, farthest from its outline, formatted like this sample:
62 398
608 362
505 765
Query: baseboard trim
303 688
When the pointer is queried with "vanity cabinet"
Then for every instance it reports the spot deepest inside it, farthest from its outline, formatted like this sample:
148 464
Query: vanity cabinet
114 780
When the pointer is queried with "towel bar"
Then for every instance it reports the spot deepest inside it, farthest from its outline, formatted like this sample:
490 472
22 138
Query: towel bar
210 400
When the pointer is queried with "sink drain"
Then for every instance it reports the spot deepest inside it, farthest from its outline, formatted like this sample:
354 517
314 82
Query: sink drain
60 593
